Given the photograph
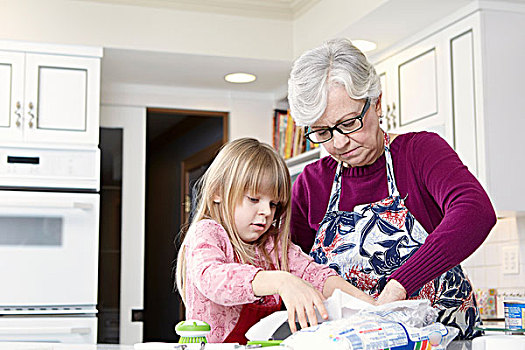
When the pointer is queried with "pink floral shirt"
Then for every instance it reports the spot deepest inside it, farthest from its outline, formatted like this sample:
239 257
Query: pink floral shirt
216 286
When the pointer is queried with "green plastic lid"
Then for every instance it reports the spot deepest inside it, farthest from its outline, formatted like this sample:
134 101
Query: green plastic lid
265 343
192 326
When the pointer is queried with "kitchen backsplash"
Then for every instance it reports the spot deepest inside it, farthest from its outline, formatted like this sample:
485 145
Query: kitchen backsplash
500 261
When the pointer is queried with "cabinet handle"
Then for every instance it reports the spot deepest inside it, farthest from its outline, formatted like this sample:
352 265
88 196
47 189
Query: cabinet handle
18 114
387 118
393 115
31 115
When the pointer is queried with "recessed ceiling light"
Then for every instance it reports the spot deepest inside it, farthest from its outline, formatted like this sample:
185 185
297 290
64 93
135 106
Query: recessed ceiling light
364 45
240 78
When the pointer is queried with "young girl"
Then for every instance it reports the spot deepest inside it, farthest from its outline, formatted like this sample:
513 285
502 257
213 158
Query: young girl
237 262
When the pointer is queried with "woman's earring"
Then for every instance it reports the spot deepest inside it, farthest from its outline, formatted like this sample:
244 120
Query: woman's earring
381 120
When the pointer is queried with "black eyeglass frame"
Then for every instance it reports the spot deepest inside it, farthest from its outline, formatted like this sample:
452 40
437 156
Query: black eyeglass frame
336 126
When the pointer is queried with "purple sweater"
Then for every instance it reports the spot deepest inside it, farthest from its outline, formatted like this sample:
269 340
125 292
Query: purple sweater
443 196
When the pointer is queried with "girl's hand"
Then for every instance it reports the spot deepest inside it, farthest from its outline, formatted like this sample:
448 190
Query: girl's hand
299 296
301 299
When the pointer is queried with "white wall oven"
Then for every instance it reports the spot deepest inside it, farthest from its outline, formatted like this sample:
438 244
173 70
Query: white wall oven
49 224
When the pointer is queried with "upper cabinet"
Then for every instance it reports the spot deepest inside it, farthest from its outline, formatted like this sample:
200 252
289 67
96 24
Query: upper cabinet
463 78
49 95
414 88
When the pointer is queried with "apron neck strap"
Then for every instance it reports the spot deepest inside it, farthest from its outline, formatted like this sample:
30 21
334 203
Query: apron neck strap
335 194
392 187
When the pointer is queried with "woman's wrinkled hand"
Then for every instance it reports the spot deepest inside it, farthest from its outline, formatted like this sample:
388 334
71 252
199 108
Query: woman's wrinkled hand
301 300
393 291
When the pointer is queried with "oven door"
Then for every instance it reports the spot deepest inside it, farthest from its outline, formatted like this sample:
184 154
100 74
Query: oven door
71 330
48 248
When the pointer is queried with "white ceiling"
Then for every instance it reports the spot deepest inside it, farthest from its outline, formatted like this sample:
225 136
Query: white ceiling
198 71
190 71
386 24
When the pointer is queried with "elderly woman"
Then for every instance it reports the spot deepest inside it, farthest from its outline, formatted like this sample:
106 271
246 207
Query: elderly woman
393 214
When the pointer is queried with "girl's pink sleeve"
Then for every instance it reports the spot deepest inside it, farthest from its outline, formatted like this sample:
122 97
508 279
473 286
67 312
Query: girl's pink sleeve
212 269
304 266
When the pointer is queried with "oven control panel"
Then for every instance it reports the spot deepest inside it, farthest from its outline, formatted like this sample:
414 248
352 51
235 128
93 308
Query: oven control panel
50 168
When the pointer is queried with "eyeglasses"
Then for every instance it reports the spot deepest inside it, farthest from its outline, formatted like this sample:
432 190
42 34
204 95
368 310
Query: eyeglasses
345 127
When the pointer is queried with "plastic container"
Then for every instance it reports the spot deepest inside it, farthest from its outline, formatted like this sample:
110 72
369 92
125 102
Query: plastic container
514 314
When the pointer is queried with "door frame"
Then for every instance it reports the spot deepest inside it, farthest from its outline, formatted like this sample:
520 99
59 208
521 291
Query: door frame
132 121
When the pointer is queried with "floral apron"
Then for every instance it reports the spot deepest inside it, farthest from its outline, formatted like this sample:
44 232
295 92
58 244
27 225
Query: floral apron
367 245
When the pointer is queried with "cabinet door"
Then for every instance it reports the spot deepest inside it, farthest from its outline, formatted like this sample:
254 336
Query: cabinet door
420 95
465 62
62 99
11 95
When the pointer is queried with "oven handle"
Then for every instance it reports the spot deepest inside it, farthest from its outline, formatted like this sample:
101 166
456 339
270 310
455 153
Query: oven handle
55 205
44 330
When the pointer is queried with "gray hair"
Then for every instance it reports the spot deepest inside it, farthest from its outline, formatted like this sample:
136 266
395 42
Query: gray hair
335 62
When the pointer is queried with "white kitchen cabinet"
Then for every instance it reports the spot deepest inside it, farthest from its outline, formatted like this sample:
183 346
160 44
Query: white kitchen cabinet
463 47
463 78
11 92
48 96
414 89
487 73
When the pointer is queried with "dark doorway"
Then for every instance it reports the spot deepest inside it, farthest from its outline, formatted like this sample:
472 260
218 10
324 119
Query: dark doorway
180 144
110 237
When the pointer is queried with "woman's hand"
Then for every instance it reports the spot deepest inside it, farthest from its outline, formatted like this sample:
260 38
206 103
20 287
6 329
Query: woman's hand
393 291
299 296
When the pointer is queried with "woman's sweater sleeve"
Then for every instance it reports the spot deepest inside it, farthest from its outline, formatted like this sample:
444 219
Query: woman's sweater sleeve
212 269
468 212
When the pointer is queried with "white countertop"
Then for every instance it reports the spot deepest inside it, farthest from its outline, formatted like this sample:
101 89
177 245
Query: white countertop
142 346
498 342
60 346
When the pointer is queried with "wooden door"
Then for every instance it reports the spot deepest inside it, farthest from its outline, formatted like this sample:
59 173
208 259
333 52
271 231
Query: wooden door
192 169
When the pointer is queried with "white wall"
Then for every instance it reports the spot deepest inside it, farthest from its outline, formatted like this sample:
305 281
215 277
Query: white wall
144 28
485 265
250 114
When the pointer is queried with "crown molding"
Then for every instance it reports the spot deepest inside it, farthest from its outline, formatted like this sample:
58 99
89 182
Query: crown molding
270 9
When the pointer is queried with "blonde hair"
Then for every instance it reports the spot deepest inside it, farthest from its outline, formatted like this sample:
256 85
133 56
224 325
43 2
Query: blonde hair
243 166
